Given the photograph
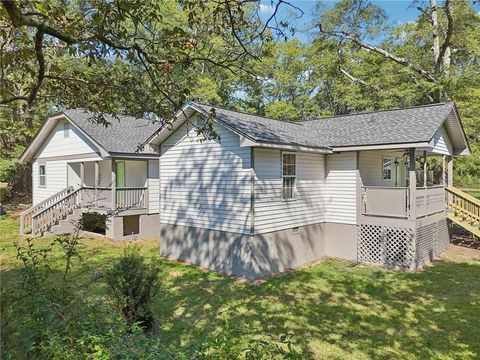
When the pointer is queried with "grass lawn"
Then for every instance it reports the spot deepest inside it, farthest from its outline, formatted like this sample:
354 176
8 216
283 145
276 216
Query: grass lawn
333 310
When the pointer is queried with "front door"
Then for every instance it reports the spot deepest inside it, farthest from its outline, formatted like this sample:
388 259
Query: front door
401 172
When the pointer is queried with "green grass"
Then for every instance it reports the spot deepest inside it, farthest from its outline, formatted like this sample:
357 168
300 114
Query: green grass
333 310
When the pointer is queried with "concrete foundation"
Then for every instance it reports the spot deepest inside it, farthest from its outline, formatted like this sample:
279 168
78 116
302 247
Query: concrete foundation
149 226
261 255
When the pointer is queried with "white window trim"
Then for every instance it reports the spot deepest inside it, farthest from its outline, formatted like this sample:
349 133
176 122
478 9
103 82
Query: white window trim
44 175
294 190
392 162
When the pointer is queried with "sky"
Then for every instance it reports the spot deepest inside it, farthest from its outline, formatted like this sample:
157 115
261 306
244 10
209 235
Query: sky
398 11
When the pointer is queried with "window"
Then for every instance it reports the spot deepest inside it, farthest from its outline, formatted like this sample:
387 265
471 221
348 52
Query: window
66 130
386 168
289 175
42 175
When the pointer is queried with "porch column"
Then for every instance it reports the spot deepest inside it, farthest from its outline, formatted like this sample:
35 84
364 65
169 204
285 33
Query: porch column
82 174
412 183
450 171
443 171
424 169
97 181
450 177
114 183
82 181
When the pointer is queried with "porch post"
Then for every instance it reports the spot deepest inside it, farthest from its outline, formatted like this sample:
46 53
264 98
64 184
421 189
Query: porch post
412 182
443 171
450 171
450 177
424 169
82 174
114 184
97 180
82 181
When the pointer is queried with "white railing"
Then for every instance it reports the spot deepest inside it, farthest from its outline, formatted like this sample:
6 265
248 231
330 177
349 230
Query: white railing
26 216
386 201
430 200
130 197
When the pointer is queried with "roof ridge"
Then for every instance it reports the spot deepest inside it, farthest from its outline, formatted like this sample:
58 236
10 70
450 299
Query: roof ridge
101 112
326 117
379 111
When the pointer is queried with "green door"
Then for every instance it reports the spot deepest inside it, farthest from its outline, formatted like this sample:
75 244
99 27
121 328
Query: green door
401 172
120 181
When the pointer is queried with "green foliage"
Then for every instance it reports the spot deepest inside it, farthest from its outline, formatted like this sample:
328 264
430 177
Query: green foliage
134 284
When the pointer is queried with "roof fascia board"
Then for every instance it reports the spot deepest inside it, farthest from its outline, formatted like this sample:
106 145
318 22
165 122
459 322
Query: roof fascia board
117 155
380 147
292 148
39 137
103 152
219 121
467 150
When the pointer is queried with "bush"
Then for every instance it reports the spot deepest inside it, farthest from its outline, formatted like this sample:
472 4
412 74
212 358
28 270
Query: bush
134 283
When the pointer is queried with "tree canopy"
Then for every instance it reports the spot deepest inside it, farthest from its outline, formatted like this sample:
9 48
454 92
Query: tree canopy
149 56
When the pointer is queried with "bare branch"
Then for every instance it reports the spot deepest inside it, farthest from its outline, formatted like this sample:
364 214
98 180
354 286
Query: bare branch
399 60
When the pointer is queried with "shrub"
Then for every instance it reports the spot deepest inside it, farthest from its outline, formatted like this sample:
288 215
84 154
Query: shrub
134 283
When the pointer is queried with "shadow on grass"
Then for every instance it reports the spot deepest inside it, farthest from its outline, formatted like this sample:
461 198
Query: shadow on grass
331 310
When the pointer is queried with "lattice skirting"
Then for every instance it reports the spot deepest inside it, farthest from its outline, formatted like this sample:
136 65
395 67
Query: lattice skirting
431 241
387 246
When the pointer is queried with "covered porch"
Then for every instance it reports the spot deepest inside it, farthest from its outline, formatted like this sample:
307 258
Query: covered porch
402 206
111 184
410 183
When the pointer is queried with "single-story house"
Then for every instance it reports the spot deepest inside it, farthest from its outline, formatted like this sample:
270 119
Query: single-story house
268 195
80 166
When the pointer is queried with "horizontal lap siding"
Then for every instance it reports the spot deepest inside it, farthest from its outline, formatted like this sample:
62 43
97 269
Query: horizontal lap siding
153 187
341 188
58 145
274 214
205 184
441 142
370 166
56 179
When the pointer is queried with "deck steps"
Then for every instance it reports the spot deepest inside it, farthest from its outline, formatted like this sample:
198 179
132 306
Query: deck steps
67 225
464 210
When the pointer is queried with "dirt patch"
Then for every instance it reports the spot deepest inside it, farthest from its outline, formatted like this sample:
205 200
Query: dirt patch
467 241
458 253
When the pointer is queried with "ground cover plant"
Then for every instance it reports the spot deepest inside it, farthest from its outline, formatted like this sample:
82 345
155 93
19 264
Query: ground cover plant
329 310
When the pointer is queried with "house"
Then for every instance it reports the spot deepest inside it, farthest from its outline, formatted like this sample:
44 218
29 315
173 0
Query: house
79 166
272 195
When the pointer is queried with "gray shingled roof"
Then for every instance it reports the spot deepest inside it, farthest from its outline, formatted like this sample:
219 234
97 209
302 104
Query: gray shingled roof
409 125
122 135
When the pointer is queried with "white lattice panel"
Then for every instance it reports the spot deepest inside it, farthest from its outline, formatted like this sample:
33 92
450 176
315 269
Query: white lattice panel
385 245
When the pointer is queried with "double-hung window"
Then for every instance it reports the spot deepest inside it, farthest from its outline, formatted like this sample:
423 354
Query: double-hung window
289 175
386 168
42 175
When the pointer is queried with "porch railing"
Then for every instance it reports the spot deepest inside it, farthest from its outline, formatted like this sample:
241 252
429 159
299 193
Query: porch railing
26 216
395 201
430 200
130 197
386 201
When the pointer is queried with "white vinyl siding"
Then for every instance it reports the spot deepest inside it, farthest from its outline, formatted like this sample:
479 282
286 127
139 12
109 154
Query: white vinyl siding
272 213
205 184
370 166
153 187
56 179
341 188
441 142
57 145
